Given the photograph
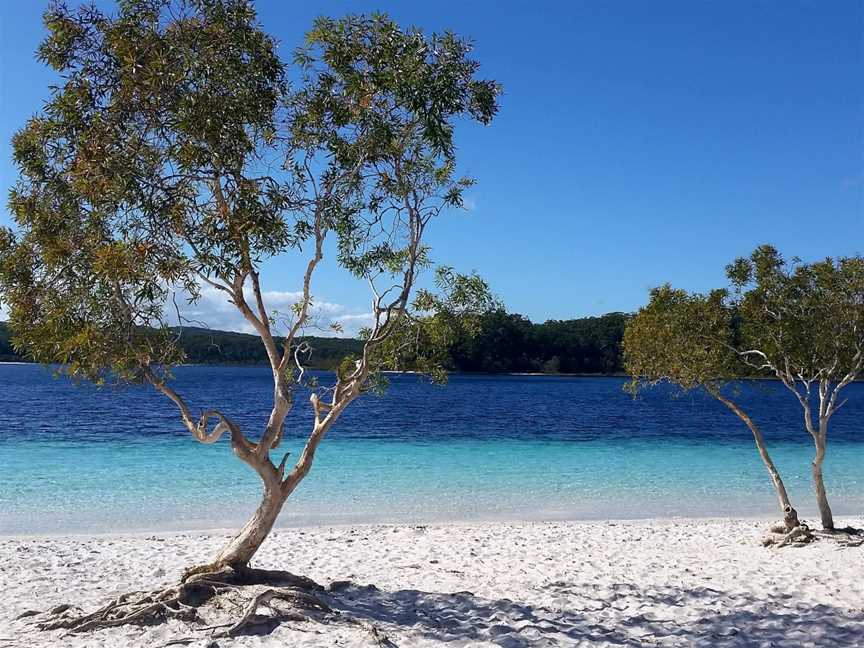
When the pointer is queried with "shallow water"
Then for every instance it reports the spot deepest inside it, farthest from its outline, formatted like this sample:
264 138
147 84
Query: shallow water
74 458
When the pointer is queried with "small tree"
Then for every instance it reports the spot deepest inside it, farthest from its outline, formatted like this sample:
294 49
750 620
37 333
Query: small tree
688 340
804 322
174 155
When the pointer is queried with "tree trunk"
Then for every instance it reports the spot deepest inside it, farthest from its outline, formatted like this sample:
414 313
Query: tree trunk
789 513
821 495
240 550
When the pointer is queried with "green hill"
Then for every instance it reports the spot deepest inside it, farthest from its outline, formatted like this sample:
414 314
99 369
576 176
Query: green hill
206 346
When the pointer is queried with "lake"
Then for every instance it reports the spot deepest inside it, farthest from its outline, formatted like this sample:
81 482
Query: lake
80 459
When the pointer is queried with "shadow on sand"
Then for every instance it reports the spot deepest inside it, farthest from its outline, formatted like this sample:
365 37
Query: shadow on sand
681 617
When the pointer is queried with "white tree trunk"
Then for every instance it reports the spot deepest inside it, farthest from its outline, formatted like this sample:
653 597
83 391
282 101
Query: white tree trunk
789 513
821 495
243 546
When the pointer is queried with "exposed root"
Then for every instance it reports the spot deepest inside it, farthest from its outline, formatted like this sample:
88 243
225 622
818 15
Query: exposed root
297 599
135 608
782 536
802 534
211 602
186 601
846 537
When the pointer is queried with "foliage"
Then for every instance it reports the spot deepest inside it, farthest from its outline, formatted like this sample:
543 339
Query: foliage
683 338
509 342
161 109
7 352
204 346
422 339
173 153
477 342
803 321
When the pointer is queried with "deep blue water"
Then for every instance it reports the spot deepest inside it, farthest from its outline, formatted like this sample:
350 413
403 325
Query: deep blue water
76 458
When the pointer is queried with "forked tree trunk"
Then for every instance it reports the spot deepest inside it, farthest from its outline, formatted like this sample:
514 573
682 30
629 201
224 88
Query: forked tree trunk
821 496
790 516
243 546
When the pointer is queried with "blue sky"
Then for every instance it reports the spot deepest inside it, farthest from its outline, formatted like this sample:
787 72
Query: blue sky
637 142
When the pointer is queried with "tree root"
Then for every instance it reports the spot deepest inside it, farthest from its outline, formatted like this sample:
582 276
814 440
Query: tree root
781 536
209 602
186 600
846 537
297 599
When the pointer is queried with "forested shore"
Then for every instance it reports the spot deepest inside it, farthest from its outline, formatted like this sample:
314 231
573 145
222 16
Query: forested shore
505 343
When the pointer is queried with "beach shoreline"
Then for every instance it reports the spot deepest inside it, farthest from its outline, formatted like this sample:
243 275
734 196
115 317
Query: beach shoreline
309 527
669 582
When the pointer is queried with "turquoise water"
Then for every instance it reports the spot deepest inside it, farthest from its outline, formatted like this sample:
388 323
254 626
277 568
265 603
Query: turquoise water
75 459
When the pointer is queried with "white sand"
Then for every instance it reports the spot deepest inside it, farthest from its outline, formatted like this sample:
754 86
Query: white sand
630 583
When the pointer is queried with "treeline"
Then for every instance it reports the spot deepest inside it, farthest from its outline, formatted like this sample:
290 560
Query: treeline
509 342
7 353
206 346
504 343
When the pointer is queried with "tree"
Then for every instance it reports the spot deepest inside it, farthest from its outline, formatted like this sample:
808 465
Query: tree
804 323
174 155
689 340
507 342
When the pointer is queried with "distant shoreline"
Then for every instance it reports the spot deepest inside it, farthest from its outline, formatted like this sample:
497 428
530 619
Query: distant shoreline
388 372
407 372
521 374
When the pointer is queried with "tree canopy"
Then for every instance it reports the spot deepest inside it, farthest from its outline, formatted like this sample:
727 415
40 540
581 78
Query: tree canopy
175 154
683 338
802 322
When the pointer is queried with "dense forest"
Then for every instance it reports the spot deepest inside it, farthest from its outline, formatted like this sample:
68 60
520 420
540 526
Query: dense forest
506 342
7 353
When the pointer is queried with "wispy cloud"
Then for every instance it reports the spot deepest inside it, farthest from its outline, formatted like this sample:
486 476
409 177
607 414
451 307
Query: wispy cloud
213 310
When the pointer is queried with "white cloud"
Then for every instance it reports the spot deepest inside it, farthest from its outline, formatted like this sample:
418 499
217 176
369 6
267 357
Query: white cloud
213 310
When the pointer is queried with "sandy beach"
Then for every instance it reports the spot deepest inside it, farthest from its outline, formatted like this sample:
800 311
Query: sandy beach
615 583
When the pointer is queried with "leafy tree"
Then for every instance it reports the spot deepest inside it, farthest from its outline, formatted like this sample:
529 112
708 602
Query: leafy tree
585 345
502 344
689 340
173 154
423 338
507 342
804 323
